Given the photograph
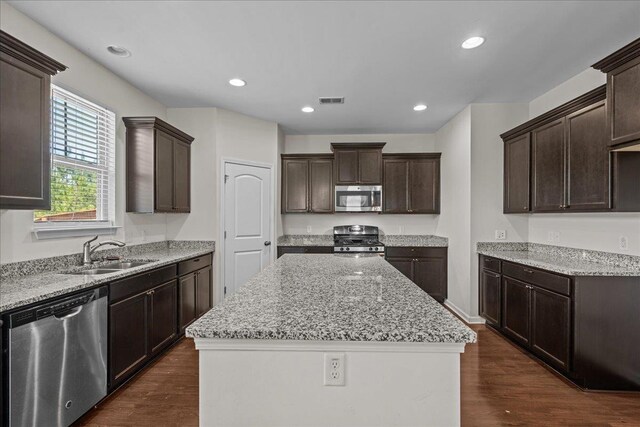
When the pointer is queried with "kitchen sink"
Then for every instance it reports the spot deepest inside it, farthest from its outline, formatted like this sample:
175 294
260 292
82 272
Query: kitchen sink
110 268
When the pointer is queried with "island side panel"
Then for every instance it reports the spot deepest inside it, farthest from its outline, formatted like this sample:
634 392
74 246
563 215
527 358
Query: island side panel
279 383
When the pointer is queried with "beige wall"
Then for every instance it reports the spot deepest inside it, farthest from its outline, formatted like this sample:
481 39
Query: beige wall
91 80
396 143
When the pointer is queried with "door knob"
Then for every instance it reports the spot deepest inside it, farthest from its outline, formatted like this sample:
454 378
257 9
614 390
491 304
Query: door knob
267 243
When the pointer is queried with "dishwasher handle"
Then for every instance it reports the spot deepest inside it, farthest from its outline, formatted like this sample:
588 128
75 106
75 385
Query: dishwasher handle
68 313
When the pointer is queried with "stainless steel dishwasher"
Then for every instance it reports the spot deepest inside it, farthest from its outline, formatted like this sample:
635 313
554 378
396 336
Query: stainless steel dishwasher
58 360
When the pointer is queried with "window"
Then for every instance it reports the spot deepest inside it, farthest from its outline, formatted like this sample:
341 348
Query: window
82 162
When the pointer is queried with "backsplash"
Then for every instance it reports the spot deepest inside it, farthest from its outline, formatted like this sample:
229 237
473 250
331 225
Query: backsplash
42 265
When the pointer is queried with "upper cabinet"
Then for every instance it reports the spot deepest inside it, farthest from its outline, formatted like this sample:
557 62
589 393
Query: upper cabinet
517 160
158 166
358 163
623 95
25 97
411 183
307 183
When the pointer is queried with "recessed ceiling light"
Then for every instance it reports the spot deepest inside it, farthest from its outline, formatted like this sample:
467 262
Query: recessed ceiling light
420 107
472 42
307 109
237 82
118 51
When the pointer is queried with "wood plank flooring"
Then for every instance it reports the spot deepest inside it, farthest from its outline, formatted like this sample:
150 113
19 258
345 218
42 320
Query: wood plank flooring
501 386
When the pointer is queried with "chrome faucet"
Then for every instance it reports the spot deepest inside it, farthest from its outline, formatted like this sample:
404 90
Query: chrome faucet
88 250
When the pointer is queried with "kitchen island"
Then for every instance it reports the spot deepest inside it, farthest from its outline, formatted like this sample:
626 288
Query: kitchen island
267 352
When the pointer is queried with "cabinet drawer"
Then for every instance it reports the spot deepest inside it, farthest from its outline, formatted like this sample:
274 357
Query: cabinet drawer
492 264
546 280
417 252
140 282
194 264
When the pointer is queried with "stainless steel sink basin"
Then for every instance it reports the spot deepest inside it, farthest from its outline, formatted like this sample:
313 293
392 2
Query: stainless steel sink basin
124 265
110 268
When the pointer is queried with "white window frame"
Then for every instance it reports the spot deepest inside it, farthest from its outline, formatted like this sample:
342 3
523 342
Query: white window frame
52 230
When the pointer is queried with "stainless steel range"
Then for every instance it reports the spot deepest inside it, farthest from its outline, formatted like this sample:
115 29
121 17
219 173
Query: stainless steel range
357 238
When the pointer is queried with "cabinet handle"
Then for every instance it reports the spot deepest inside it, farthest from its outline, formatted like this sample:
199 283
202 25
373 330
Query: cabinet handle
196 260
409 210
526 270
524 208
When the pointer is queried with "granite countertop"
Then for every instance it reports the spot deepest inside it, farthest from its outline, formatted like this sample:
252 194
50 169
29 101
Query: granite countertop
568 261
332 297
19 291
389 240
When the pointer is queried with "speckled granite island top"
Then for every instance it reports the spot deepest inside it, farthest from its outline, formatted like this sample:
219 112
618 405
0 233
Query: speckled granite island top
331 298
423 240
20 291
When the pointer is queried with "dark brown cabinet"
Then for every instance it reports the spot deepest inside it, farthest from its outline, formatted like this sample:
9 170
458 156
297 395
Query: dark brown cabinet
515 310
623 95
163 303
307 183
425 266
195 283
25 87
491 297
158 166
282 250
550 326
517 162
358 163
548 167
411 183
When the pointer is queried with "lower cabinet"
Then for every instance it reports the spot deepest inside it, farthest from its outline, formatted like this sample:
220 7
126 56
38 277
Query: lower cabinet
550 326
491 297
426 267
304 250
515 313
140 326
195 296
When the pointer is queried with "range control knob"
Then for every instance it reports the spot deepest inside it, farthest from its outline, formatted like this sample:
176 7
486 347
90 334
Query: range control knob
370 249
342 249
348 249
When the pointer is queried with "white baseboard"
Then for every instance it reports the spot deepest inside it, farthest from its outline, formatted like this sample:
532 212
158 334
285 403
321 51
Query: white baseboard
469 319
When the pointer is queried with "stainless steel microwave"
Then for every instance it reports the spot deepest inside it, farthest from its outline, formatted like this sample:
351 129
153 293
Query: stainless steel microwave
358 198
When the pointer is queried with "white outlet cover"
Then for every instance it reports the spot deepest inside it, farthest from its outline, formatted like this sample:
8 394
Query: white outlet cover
334 369
501 234
624 243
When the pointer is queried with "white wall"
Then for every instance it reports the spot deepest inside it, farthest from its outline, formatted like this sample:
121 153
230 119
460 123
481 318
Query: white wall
597 231
454 141
91 80
389 224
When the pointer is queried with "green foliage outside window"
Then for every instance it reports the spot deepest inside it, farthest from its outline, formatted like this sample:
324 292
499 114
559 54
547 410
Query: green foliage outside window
73 191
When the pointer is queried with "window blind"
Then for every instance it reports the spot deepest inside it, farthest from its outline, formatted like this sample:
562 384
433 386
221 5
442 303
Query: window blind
83 160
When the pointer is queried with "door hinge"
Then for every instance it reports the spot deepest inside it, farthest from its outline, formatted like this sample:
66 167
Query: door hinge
226 178
225 290
225 234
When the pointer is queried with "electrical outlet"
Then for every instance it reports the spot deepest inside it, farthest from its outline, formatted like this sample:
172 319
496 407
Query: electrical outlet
624 243
334 369
309 229
501 234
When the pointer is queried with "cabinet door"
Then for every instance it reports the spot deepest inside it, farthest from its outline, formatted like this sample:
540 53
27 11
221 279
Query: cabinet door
548 158
394 193
370 166
346 164
164 308
181 176
128 337
623 95
187 290
321 185
404 265
424 186
490 297
517 155
163 172
515 309
588 159
431 275
203 291
295 183
25 165
551 326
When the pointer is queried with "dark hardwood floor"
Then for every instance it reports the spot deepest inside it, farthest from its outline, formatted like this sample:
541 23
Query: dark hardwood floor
501 386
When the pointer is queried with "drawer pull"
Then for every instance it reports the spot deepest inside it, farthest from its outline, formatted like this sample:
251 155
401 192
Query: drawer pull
526 270
196 260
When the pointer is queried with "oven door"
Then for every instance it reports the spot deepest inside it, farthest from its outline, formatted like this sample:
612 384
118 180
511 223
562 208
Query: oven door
358 198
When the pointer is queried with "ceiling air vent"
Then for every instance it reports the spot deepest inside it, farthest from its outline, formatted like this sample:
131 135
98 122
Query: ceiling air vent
331 100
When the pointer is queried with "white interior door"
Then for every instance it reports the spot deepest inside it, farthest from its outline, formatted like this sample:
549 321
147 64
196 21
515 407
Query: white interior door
247 223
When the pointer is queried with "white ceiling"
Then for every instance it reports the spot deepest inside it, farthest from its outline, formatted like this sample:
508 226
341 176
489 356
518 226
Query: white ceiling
384 57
